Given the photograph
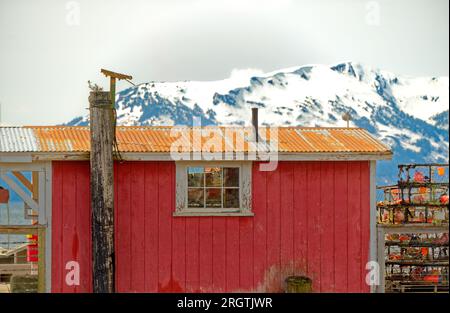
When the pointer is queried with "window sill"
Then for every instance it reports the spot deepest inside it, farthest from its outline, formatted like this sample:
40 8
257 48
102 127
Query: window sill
194 214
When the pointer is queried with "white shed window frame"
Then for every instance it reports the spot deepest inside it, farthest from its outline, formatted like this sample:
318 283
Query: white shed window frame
245 189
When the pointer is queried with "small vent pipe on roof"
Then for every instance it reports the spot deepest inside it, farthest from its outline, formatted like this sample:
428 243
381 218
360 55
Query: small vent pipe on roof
255 124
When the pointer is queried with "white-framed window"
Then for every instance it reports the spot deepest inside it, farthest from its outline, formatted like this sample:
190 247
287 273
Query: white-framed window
213 188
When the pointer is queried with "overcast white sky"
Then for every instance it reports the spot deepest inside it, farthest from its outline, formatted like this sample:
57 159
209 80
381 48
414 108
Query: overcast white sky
50 48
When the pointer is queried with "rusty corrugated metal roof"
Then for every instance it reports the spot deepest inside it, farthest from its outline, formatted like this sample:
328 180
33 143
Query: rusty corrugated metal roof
153 139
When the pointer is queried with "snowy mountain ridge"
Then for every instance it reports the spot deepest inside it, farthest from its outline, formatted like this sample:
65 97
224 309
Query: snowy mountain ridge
410 114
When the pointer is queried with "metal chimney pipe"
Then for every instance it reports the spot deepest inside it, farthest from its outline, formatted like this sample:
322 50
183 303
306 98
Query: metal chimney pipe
255 123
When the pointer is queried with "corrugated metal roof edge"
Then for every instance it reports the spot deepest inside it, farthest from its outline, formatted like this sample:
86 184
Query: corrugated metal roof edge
182 126
386 151
164 156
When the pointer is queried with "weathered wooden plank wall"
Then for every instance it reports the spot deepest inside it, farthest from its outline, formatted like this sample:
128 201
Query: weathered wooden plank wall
310 218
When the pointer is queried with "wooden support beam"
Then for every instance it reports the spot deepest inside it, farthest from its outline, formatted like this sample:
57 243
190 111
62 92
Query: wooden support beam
20 230
102 190
23 180
115 75
112 79
35 191
41 260
22 194
35 188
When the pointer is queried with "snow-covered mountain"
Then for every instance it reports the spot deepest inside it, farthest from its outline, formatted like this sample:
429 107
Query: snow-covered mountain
409 114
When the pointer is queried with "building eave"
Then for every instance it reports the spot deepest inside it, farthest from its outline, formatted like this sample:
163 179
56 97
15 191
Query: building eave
27 157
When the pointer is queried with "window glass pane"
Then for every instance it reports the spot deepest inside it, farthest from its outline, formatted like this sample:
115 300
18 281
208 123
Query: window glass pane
231 198
195 198
195 177
231 176
213 176
213 197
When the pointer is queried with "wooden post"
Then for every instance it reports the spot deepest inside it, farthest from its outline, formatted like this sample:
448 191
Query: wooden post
102 190
41 259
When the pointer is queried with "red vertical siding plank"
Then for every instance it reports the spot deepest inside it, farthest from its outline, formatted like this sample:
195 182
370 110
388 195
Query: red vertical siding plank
354 227
57 213
259 200
116 225
165 226
341 224
179 245
123 266
365 222
246 253
314 229
327 225
205 257
273 229
232 255
151 226
287 218
219 254
70 250
192 255
300 218
83 227
137 216
179 254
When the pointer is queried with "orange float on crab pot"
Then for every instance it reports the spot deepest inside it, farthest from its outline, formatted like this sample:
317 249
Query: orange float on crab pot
419 177
424 251
431 278
423 190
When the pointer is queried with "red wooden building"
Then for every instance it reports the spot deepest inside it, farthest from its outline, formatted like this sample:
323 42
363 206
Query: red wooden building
209 225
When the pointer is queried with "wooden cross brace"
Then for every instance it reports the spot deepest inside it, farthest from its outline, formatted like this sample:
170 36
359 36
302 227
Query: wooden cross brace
112 80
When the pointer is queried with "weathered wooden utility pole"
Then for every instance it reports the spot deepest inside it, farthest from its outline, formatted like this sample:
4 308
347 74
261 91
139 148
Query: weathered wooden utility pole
103 131
102 190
